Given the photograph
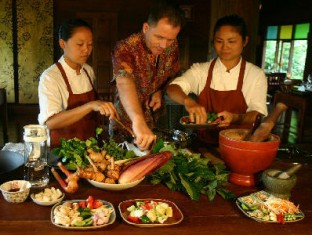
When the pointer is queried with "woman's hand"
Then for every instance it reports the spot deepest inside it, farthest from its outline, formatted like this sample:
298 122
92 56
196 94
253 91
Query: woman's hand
226 119
105 108
196 112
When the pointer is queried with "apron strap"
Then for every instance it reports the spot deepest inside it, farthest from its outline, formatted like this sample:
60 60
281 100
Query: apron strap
60 67
241 75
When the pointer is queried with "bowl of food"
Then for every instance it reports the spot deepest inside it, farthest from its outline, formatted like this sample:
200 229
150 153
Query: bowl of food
245 158
47 197
115 187
15 191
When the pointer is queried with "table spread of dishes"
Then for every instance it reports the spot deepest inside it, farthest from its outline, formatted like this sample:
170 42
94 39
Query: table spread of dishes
119 166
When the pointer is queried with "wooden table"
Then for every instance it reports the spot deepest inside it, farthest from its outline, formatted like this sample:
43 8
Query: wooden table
200 217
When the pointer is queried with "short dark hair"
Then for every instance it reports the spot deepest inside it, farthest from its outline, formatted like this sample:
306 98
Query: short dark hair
232 20
173 13
68 27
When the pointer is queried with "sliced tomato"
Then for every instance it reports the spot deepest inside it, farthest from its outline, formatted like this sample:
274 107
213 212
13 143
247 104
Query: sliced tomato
147 206
82 204
97 204
133 219
90 201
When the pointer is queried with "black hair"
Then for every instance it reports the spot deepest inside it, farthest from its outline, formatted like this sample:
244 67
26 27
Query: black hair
232 20
173 13
68 27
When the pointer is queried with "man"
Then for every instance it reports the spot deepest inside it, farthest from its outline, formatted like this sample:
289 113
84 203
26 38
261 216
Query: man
142 65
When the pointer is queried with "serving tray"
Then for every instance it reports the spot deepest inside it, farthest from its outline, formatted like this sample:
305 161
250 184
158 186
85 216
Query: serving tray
175 219
112 217
248 204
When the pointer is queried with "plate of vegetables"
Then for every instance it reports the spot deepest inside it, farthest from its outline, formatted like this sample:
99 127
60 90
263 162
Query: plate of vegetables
83 214
150 212
211 122
264 207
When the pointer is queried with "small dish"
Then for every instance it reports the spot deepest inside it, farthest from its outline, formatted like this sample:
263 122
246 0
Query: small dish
47 203
188 124
115 187
15 191
112 217
175 219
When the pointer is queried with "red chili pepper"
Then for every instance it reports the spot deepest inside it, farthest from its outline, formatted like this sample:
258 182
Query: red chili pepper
280 218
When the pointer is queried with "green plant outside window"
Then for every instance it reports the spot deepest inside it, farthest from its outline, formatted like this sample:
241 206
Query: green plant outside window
285 49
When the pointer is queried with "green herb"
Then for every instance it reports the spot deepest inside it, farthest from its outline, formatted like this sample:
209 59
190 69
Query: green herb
119 153
193 175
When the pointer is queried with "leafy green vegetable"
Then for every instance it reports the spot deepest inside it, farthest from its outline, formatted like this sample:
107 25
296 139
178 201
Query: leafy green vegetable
193 175
159 145
113 149
73 152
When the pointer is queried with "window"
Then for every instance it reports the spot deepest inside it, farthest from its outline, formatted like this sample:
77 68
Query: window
285 49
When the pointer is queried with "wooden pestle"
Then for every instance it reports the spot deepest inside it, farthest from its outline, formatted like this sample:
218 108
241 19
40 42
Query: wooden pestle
264 130
255 126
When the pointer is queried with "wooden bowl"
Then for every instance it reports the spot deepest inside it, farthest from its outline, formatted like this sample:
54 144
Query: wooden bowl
245 158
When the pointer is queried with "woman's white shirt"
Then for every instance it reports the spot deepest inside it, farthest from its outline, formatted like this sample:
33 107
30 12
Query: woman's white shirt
52 89
254 85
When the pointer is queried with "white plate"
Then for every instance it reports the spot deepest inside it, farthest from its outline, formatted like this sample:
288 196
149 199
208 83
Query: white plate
41 203
112 217
115 187
175 219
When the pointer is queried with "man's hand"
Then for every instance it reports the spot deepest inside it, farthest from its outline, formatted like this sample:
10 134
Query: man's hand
144 137
155 102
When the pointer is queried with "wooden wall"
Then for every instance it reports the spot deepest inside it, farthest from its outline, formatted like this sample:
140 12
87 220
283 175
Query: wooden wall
195 36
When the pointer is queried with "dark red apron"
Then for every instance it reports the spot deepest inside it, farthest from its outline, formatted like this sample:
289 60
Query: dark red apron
217 101
85 127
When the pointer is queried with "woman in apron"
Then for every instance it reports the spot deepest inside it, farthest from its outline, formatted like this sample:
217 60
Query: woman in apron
68 102
227 85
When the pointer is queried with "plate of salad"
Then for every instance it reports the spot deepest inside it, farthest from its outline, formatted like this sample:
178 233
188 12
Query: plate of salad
264 207
150 212
83 214
211 122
